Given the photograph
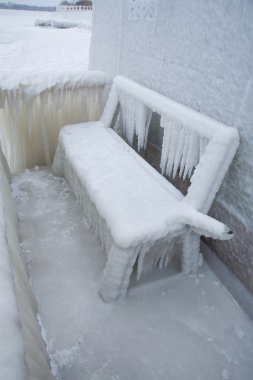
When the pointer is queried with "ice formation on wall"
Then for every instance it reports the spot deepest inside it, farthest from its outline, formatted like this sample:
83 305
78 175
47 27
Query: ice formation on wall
33 110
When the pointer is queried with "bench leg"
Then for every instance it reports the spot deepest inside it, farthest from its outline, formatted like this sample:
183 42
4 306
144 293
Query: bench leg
191 254
117 273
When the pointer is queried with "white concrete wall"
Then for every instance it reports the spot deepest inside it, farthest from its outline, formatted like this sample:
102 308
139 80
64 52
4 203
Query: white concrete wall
200 53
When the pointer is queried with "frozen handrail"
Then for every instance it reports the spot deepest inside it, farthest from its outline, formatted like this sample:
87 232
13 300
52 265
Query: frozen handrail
199 132
161 104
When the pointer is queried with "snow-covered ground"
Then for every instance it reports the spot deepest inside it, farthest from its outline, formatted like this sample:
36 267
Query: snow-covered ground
175 328
25 47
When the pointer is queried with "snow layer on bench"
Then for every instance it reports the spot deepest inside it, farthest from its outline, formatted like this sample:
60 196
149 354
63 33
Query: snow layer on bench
138 205
178 328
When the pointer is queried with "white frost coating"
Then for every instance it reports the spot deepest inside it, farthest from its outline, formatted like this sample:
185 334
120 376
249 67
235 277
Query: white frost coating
33 108
22 350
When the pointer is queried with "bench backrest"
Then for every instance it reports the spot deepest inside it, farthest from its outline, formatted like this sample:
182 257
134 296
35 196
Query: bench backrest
192 142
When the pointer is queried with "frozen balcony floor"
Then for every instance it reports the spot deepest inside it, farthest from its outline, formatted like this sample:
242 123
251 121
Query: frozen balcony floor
176 328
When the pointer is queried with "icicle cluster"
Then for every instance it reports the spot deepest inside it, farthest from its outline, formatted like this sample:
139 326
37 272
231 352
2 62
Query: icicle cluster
181 149
135 119
30 122
159 255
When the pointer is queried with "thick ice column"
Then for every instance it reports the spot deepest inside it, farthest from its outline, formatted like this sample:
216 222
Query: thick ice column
190 256
116 275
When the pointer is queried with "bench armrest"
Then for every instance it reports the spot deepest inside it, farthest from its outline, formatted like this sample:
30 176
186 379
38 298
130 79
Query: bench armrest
206 225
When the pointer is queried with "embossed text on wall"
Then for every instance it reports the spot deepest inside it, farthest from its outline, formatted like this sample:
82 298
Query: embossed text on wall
141 9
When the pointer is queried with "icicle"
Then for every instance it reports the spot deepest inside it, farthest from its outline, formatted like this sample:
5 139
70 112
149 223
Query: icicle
165 123
172 149
192 154
46 143
179 150
148 121
140 264
30 116
117 124
2 98
130 123
143 118
185 151
135 119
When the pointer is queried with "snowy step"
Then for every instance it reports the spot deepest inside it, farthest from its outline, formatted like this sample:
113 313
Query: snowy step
129 205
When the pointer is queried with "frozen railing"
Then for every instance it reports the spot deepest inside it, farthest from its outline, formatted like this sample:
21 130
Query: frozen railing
188 134
34 107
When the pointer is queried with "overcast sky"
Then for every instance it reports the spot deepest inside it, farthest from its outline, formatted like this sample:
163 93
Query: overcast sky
36 2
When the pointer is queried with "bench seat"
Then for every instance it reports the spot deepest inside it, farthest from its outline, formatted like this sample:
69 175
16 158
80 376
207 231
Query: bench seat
114 177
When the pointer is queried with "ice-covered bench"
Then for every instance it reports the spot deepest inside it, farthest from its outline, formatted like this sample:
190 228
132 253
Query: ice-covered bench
129 205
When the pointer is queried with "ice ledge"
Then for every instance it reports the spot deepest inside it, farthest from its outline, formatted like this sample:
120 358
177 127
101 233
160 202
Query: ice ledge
33 83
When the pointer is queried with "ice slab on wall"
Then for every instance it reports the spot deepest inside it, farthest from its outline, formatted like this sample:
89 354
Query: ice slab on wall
33 108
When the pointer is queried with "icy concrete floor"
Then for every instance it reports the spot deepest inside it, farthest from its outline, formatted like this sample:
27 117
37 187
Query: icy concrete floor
177 328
